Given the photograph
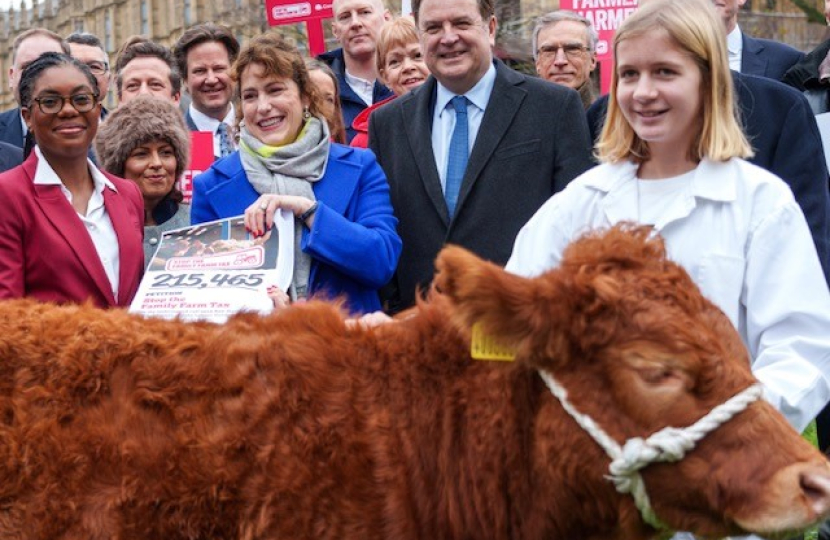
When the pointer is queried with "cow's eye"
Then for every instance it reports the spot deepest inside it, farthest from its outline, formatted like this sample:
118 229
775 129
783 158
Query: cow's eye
659 375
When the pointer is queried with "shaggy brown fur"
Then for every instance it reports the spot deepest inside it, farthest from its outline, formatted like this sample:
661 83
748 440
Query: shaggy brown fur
296 426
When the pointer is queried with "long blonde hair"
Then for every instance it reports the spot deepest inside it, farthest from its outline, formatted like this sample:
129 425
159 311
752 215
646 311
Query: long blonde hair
694 26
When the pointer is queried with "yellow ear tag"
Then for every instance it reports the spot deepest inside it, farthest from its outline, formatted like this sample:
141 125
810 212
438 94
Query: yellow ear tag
484 347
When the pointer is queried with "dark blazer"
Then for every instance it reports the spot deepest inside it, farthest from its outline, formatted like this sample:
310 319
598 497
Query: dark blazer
353 245
767 58
782 130
351 104
533 140
46 252
11 130
10 156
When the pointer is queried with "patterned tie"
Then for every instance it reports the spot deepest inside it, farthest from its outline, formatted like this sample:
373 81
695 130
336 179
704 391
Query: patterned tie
458 154
225 147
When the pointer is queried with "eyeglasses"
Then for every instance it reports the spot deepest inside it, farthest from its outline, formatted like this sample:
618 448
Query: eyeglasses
97 68
571 50
54 104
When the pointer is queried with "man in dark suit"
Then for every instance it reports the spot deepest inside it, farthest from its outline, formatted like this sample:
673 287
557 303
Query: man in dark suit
754 56
25 49
10 156
475 151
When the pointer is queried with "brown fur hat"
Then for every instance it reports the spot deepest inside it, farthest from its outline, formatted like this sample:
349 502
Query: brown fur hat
139 121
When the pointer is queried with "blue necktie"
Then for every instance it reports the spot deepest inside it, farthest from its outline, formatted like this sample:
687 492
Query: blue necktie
225 147
458 154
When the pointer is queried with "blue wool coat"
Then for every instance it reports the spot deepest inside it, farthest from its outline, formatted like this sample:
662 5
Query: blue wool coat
353 242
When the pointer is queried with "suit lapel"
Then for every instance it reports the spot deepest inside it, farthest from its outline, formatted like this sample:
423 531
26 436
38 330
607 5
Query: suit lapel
504 103
752 60
417 118
60 213
123 221
191 125
12 129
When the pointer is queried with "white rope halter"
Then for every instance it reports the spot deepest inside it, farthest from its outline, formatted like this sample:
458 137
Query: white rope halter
670 444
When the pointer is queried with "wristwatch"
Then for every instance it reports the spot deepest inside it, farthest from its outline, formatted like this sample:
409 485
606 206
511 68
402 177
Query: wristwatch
308 213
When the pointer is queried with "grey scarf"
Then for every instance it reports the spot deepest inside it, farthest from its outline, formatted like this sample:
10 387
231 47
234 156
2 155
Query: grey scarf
289 170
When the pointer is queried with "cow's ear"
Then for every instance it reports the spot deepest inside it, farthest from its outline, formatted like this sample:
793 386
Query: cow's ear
504 304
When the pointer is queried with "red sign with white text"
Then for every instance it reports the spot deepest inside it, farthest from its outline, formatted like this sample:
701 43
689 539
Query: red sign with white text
606 16
281 12
201 158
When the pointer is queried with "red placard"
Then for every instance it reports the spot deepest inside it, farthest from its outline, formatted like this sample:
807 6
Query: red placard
606 16
312 13
281 12
201 158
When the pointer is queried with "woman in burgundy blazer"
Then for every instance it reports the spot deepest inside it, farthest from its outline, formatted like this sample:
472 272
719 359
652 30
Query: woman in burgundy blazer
68 231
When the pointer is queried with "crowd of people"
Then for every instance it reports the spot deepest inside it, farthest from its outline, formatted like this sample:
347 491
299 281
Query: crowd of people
412 135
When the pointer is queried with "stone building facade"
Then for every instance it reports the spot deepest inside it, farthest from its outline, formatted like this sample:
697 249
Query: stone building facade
164 20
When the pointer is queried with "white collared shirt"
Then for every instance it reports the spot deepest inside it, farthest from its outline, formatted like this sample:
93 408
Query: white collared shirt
362 87
735 47
208 123
443 118
742 237
97 221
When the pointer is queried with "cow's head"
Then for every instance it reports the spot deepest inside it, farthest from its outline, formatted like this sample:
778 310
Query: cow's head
629 335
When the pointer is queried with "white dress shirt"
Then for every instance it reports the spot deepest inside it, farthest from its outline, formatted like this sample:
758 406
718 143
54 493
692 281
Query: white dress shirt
443 118
362 87
743 239
735 47
208 123
97 221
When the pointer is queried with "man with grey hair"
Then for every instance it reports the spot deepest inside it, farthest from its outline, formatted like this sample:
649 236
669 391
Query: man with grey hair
564 49
88 49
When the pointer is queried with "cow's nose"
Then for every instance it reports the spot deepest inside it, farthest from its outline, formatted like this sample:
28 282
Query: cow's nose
815 484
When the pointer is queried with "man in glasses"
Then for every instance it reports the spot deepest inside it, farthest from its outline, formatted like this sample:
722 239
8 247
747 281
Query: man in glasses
26 48
564 48
88 49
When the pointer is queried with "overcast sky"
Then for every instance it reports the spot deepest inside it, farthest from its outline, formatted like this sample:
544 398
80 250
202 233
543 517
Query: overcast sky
4 4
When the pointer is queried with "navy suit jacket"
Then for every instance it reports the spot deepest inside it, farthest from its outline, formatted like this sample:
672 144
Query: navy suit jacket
767 58
532 142
10 156
782 129
351 104
11 130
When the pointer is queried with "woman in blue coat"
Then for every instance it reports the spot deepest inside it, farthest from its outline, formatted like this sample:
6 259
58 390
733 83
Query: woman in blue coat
346 242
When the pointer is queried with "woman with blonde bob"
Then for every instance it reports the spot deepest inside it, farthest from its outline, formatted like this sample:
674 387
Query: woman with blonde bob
672 154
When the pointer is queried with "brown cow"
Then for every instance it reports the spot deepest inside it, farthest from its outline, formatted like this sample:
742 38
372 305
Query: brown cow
298 426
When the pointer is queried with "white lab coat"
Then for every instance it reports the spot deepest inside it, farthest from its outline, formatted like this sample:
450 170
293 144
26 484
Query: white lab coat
738 231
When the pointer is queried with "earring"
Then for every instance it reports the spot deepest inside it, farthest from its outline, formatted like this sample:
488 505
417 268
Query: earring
306 114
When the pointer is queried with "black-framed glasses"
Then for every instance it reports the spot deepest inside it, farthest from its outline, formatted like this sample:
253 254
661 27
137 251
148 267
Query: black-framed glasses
571 50
53 104
97 68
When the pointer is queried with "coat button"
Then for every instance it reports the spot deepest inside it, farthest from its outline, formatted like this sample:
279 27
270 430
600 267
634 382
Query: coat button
154 241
